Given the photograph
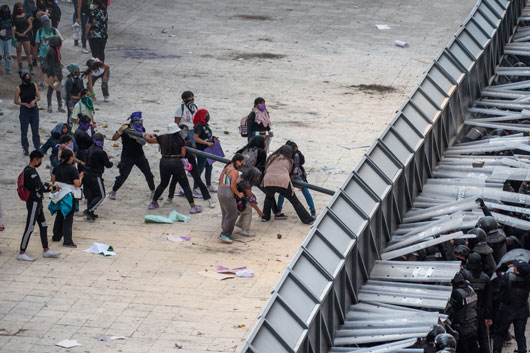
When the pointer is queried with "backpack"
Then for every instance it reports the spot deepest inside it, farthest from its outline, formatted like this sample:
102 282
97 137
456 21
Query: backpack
22 190
243 129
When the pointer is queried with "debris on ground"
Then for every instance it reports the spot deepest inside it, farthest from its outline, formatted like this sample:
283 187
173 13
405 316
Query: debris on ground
68 343
101 249
401 44
110 338
177 238
382 27
238 271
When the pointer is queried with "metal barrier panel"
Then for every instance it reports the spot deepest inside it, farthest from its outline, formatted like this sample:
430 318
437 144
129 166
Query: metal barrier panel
323 279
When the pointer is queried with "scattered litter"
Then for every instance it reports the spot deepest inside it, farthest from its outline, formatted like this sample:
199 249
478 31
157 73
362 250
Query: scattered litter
110 338
217 276
401 44
240 326
177 238
328 74
351 146
238 271
190 52
68 343
279 236
172 35
104 126
178 217
226 132
101 249
178 345
4 332
329 170
164 30
10 131
157 219
382 27
240 59
115 145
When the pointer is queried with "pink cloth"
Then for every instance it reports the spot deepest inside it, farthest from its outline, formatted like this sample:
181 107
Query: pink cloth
277 173
262 117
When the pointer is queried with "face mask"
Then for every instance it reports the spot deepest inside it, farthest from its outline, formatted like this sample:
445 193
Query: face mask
184 134
98 143
70 145
46 25
38 165
26 80
20 11
138 126
207 119
84 126
262 107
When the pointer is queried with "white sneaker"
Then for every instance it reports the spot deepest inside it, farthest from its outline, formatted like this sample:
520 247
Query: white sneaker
246 234
168 200
196 193
106 99
24 257
112 195
211 203
85 51
212 188
50 253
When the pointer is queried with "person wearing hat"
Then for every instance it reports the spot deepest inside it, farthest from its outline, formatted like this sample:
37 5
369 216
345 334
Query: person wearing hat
27 95
132 153
172 148
72 87
53 70
482 248
42 37
462 311
515 287
480 282
93 183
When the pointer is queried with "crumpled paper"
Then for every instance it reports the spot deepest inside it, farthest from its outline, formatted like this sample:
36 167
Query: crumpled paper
101 249
238 271
68 343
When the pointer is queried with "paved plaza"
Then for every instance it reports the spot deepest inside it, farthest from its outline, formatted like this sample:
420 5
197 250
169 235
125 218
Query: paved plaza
329 77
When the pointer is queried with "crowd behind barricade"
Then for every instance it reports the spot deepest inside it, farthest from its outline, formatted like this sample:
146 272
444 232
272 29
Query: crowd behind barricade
77 153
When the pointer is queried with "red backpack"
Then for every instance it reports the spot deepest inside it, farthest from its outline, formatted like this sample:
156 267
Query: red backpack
23 191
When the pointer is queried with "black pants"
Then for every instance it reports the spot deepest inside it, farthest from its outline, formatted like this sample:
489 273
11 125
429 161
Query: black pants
49 96
467 344
82 155
274 206
125 166
505 316
482 332
172 167
302 213
196 179
97 47
35 214
104 84
62 227
94 190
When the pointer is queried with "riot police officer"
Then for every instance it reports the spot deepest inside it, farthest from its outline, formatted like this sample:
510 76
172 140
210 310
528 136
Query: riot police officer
514 286
428 343
462 311
445 342
484 250
480 282
495 238
461 253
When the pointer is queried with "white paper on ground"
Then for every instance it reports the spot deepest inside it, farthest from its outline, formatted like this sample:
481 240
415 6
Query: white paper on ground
177 238
401 44
111 338
68 343
245 273
98 248
382 27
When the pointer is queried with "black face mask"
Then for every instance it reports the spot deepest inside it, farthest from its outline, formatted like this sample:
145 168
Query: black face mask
26 80
38 165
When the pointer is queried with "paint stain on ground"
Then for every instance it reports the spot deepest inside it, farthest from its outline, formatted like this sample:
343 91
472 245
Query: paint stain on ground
372 89
265 39
140 53
253 17
256 56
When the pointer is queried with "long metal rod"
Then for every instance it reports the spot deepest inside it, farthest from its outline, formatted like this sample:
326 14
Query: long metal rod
296 183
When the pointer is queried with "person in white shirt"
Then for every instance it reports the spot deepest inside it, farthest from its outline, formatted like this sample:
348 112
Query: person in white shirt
185 112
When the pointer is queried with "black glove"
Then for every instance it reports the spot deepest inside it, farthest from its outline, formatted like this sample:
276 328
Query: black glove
480 202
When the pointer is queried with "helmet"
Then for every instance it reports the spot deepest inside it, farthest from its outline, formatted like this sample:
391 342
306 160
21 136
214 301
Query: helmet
458 279
462 250
487 223
499 132
474 262
480 235
443 341
447 350
460 241
435 331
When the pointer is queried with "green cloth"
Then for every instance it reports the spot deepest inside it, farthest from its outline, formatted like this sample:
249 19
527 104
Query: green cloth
87 101
156 219
177 217
65 205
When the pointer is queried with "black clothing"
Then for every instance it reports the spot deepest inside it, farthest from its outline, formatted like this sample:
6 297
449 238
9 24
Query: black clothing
21 25
28 92
499 249
35 214
463 312
205 133
97 47
65 173
170 144
253 126
125 167
73 87
196 179
84 142
270 191
33 183
132 149
172 167
97 161
480 282
94 190
62 227
49 95
486 255
53 65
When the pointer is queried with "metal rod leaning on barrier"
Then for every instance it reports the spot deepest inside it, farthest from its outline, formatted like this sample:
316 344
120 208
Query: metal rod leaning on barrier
296 183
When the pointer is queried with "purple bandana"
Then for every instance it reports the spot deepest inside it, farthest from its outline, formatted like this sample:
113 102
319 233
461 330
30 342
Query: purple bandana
84 126
98 143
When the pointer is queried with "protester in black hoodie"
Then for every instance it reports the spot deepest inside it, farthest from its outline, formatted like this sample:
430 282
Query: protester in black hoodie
53 69
93 184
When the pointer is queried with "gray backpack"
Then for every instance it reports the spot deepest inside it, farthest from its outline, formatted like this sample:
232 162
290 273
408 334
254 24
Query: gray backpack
251 158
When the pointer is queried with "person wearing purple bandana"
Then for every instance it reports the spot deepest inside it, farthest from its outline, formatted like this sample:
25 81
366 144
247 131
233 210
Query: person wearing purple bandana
132 154
259 122
93 184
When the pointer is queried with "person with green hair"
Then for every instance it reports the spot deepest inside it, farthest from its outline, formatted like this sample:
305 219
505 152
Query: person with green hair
85 106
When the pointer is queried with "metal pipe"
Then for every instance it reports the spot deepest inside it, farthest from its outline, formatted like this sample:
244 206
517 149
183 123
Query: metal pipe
296 183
